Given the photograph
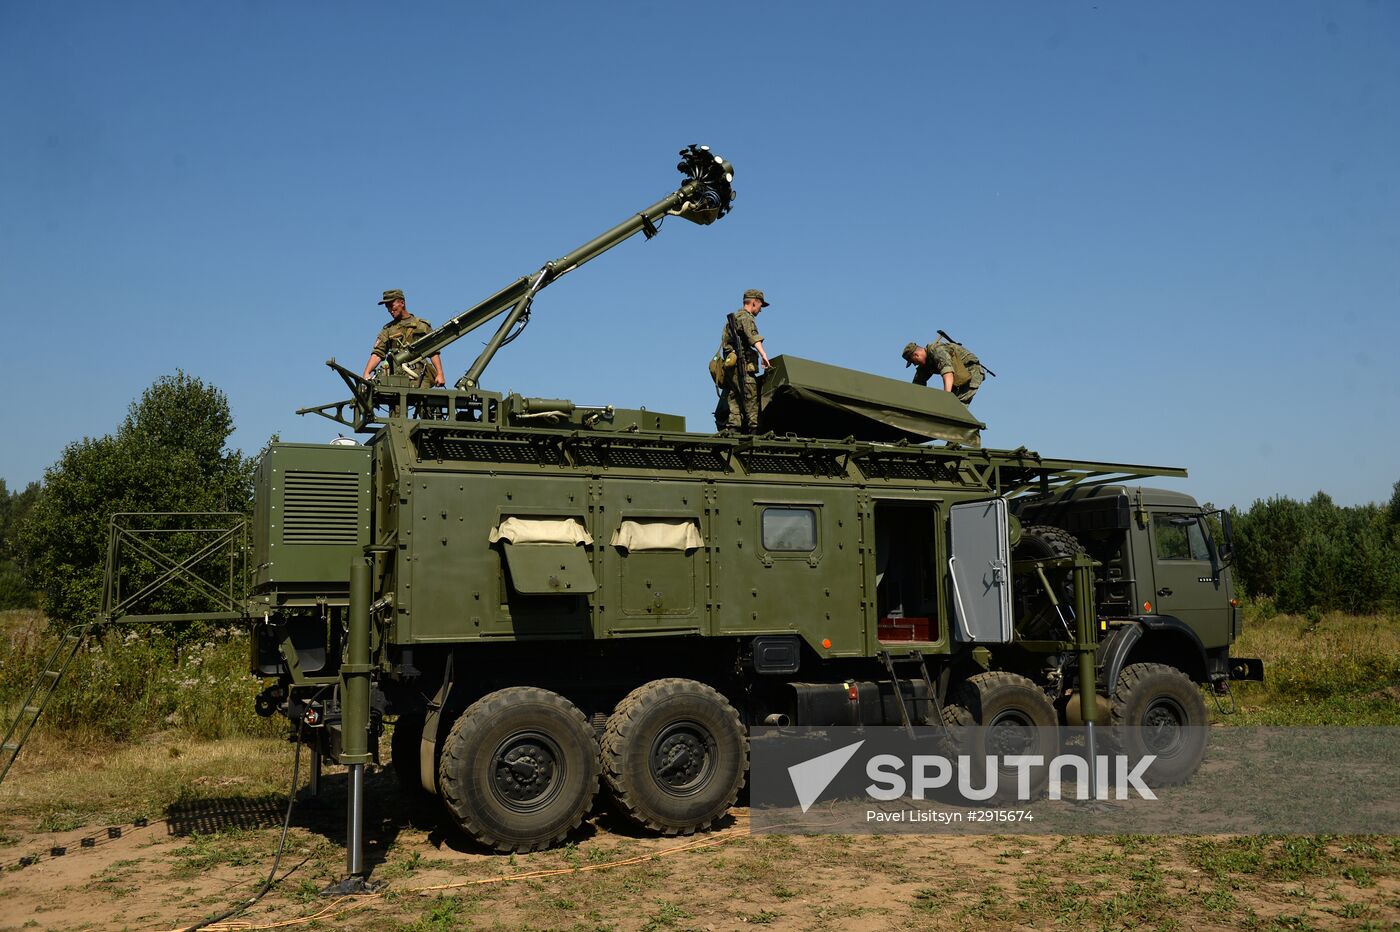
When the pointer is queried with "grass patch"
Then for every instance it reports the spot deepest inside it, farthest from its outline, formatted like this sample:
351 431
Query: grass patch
232 848
445 914
127 682
665 916
65 786
1325 670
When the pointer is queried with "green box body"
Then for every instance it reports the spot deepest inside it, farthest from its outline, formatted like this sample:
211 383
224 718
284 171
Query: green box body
312 516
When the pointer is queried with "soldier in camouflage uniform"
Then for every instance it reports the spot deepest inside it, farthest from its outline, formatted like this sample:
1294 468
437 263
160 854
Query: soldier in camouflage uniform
741 342
400 332
960 370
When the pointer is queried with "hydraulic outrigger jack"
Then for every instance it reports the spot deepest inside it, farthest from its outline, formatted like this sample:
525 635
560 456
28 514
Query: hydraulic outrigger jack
1086 643
354 725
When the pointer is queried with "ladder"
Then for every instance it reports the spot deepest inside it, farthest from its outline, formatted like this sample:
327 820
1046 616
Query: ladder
40 694
914 657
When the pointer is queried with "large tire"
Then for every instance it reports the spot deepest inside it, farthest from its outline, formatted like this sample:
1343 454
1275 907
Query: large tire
1014 717
674 756
1157 709
519 769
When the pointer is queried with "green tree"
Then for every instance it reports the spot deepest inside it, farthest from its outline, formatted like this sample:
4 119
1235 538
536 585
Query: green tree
169 454
1318 555
14 506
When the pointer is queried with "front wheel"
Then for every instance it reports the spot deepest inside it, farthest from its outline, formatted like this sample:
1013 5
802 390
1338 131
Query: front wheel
1156 709
519 769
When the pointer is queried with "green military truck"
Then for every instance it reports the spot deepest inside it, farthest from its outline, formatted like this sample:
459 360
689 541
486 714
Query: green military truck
552 605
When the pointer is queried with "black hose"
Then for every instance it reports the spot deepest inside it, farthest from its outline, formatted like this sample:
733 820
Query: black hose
276 860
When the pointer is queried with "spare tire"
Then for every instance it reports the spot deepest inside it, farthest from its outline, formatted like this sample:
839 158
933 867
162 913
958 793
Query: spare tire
1042 541
1036 617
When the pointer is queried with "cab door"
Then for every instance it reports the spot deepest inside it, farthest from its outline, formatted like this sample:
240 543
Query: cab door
1188 581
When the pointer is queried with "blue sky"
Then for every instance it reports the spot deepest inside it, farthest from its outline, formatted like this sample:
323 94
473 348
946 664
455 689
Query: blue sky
1172 229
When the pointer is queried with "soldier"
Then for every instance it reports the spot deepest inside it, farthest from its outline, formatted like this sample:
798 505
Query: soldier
961 370
742 343
400 332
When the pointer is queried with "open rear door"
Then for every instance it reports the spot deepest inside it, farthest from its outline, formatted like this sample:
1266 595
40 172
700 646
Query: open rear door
979 568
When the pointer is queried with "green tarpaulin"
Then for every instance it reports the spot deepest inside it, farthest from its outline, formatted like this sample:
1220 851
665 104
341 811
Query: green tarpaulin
813 399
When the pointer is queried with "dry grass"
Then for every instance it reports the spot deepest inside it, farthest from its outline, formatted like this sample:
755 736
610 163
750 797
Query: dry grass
1329 669
608 879
60 785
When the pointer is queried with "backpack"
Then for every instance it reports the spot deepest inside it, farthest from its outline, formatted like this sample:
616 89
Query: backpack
959 356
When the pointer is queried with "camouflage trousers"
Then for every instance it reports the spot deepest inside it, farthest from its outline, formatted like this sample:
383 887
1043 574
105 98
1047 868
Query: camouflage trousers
965 393
741 398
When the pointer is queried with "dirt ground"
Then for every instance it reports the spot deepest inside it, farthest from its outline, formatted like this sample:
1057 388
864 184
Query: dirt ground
207 856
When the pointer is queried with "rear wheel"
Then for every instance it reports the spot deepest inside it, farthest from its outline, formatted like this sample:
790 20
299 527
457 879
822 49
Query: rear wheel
519 769
674 756
1014 717
1156 709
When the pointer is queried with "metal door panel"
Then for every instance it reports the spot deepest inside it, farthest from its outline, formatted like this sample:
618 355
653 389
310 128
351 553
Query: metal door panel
979 569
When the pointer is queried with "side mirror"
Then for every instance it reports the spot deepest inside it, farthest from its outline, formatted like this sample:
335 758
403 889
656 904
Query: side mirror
1227 545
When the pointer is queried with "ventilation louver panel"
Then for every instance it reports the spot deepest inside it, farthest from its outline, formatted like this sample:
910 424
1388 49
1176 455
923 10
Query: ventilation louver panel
321 508
816 463
897 467
488 450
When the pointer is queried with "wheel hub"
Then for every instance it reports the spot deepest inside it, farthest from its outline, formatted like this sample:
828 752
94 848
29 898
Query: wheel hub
1011 732
525 771
682 758
1162 727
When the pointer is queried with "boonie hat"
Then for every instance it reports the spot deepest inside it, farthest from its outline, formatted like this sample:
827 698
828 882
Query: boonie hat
909 349
755 293
392 295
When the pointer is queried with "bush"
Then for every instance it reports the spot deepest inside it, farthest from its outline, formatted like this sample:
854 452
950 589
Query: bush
14 508
128 682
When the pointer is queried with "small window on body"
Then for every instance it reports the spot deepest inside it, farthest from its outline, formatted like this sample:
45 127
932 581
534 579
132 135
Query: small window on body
790 529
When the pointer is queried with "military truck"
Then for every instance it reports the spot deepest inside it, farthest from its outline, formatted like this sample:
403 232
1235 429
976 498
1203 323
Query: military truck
553 606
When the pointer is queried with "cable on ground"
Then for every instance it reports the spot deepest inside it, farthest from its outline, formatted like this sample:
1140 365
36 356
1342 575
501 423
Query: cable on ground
276 860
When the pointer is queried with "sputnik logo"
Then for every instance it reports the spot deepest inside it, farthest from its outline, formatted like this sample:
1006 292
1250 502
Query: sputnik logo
811 777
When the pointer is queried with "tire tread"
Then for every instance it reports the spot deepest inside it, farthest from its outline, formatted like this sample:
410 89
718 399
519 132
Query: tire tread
454 762
621 725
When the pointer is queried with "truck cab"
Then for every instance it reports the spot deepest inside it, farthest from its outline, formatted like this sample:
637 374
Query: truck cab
1163 580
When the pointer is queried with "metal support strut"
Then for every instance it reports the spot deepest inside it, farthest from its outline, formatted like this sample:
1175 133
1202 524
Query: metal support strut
1086 645
354 722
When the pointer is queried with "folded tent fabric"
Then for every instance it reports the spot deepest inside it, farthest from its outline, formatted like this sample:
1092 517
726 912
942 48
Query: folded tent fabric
658 534
516 530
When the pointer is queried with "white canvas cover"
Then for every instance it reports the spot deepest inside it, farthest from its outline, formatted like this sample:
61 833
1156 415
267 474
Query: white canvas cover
658 534
541 531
